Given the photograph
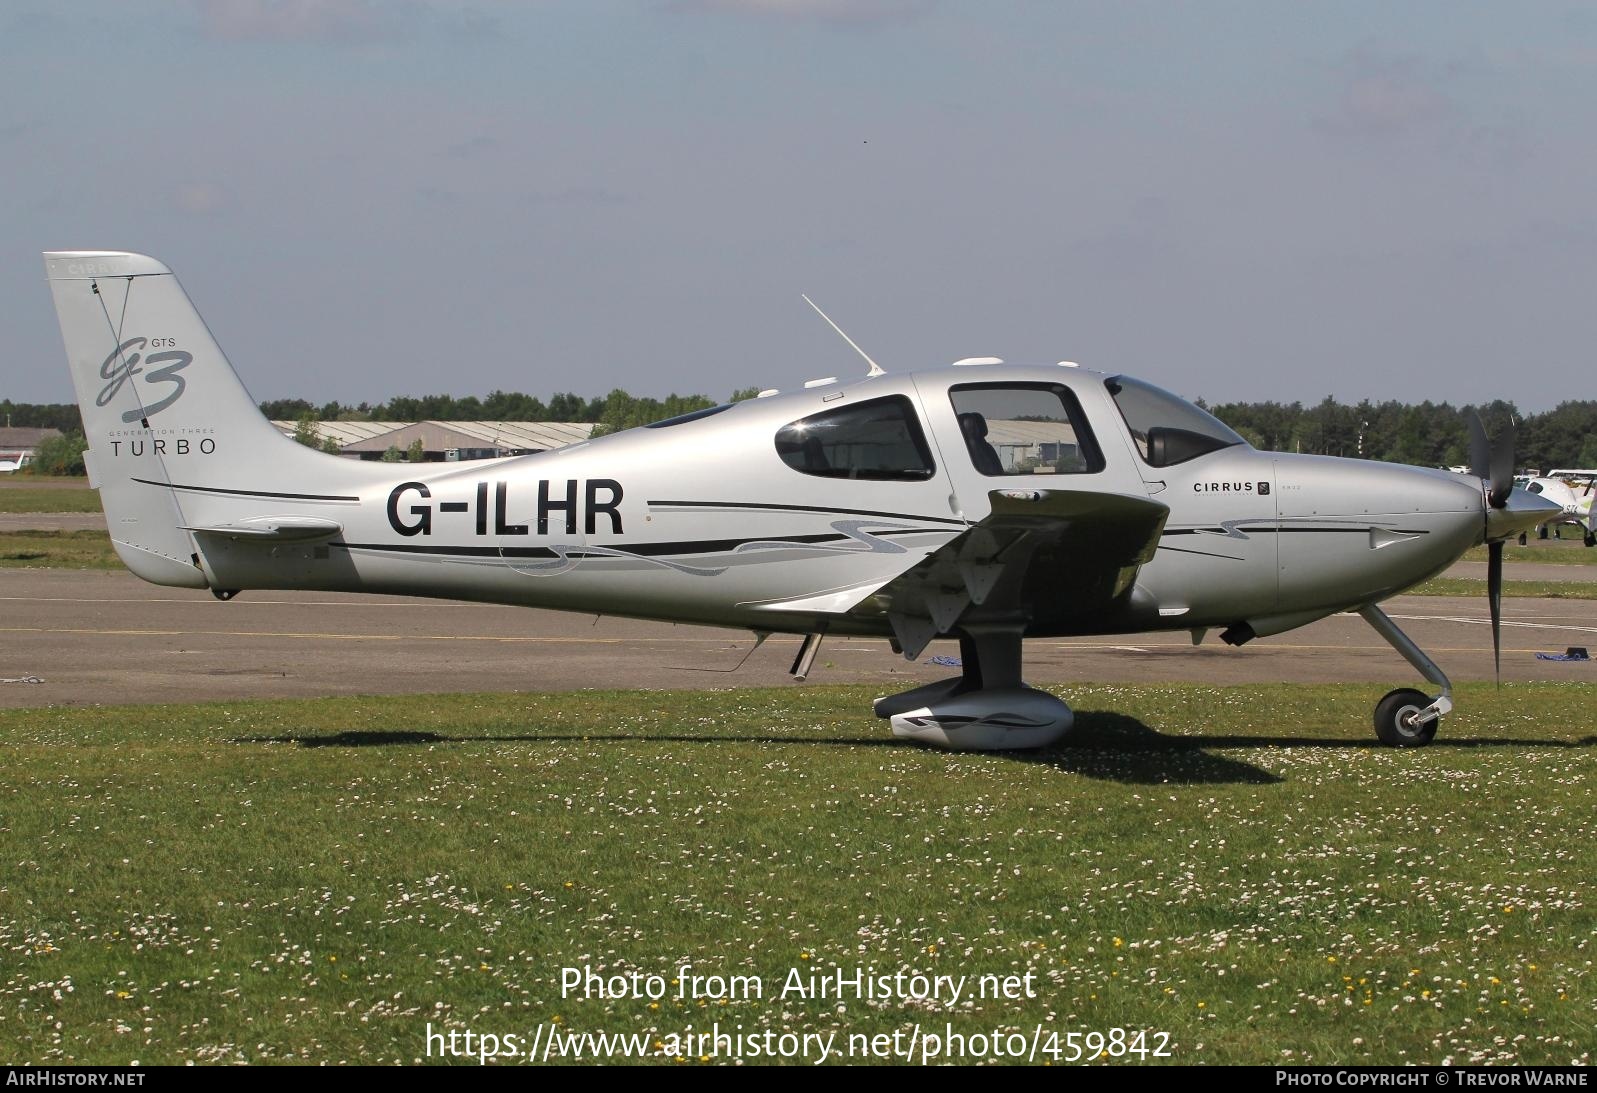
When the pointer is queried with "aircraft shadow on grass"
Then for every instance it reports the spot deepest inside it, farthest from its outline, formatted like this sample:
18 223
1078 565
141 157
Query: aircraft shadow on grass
1104 745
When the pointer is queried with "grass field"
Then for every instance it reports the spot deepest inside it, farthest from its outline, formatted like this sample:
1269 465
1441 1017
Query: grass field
1549 554
57 550
47 495
44 481
1237 867
1469 586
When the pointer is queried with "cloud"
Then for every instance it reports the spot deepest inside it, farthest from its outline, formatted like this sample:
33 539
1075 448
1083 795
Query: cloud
1384 96
293 20
200 198
840 12
471 149
579 195
341 22
1384 100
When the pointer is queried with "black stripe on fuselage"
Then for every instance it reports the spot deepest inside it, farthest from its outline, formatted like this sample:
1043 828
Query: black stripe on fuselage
1205 553
1271 529
454 551
641 550
249 493
758 506
1361 531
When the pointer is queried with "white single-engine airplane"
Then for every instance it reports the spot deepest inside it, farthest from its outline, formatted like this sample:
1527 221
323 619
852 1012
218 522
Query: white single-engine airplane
988 503
1574 492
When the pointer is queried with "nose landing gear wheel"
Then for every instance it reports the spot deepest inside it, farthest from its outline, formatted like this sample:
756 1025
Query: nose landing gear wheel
1394 719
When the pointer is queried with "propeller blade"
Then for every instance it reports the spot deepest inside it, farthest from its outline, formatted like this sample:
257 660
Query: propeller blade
1480 449
1494 595
1502 466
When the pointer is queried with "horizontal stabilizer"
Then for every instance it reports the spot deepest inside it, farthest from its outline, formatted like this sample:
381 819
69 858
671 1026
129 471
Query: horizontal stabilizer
276 529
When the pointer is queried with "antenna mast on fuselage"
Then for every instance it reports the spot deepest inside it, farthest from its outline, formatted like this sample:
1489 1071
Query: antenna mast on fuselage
876 369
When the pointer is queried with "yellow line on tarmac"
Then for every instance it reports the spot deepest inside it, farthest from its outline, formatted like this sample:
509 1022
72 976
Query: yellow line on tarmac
1372 648
787 639
197 602
71 630
314 634
507 638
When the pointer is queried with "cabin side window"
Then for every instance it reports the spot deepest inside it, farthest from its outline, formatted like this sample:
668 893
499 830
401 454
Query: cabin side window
879 440
1034 428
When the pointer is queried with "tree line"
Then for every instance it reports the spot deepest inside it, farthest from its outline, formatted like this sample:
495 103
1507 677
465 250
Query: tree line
41 415
611 413
1427 435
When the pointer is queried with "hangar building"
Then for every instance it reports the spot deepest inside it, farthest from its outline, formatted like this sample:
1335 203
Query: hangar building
17 445
446 441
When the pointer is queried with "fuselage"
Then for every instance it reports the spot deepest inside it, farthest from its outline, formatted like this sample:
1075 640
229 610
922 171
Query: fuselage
1574 497
768 513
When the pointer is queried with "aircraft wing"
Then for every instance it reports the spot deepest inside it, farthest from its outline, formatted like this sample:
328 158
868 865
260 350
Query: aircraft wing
1041 558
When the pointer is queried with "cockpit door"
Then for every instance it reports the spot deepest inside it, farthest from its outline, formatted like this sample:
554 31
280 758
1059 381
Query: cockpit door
1032 433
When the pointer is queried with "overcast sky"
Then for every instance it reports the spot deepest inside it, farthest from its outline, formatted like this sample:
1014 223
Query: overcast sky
1233 200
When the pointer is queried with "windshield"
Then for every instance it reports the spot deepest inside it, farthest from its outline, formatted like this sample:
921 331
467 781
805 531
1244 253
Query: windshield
1167 429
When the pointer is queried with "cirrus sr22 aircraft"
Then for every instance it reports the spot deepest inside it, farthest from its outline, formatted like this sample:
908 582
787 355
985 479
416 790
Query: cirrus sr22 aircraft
986 503
1575 494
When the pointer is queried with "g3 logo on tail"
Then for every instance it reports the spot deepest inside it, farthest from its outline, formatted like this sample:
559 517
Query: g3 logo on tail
124 363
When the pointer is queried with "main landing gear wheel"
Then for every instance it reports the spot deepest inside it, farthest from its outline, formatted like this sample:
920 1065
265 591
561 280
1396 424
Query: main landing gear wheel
1395 719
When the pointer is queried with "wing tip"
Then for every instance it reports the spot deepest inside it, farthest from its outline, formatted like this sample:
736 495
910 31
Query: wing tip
80 265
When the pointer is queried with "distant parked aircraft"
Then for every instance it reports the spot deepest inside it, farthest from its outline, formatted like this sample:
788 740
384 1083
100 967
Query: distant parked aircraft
1572 491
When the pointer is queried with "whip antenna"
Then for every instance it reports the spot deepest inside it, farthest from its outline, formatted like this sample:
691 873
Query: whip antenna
876 369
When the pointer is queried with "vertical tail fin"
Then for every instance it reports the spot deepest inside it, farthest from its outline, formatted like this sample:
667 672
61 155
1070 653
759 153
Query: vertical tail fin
161 407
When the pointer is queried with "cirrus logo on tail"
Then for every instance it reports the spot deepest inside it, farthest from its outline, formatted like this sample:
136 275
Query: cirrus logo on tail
125 362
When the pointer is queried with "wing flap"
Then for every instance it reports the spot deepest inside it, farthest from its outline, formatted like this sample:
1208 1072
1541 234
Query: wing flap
836 601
